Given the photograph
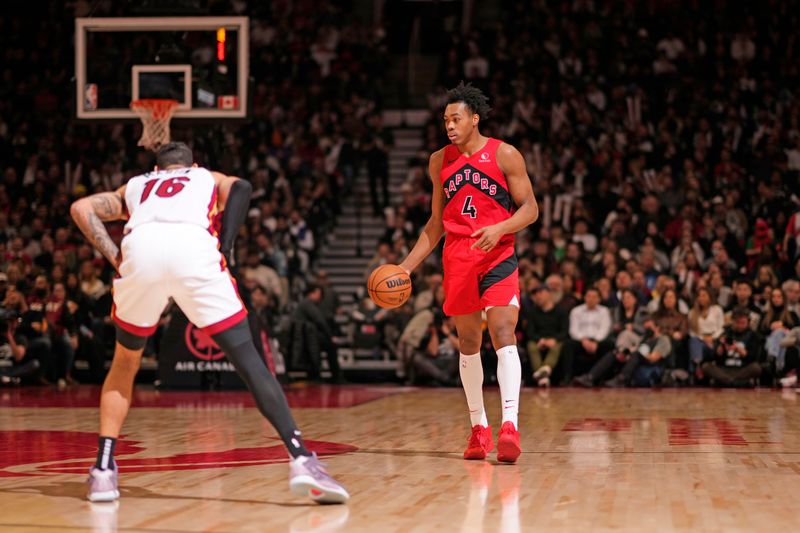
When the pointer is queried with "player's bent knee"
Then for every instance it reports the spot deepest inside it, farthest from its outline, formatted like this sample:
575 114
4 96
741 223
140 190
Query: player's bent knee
469 346
130 340
502 336
237 343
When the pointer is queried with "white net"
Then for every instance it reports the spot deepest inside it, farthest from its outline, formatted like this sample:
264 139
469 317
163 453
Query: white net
155 115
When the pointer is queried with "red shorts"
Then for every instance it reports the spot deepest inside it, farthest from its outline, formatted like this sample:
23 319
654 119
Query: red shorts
474 280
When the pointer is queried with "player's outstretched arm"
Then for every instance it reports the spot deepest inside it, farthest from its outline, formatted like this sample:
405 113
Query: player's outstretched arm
434 229
90 212
512 164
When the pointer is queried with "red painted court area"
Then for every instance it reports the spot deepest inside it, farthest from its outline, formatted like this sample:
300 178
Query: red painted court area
25 452
310 396
36 452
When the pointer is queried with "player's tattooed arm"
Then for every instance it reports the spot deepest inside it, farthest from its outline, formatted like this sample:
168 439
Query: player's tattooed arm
107 205
91 212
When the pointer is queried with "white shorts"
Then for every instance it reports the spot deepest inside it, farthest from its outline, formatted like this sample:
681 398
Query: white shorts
179 261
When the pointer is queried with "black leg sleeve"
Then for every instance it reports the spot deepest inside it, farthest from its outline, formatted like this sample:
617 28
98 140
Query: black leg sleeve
237 343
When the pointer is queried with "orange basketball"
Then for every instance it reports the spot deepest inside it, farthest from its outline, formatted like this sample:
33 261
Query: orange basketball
389 286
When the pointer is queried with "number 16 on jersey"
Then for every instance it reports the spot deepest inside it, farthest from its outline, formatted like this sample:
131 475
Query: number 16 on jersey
167 188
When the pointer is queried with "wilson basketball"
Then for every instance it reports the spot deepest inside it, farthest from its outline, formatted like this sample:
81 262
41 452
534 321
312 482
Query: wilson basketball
389 286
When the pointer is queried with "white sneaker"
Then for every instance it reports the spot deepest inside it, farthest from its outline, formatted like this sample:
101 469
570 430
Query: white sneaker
103 485
789 381
308 477
544 382
544 371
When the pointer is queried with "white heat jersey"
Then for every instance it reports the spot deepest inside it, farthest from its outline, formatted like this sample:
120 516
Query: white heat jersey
180 195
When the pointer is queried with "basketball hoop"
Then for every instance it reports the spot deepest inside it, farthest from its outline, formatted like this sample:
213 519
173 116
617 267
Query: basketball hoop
155 115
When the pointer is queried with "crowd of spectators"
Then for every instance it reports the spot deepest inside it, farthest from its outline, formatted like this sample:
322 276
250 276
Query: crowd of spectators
663 143
317 75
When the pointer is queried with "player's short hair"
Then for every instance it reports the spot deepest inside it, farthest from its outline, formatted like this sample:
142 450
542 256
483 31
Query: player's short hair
174 153
472 97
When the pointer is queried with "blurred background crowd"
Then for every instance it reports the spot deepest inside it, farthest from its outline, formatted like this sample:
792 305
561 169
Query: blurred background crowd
663 145
310 122
664 149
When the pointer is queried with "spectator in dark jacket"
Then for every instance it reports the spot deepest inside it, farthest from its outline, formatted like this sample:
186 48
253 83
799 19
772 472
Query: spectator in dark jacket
309 320
546 330
736 352
14 348
650 352
436 358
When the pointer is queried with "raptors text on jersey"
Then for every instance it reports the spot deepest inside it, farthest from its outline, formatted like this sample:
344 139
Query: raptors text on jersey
475 190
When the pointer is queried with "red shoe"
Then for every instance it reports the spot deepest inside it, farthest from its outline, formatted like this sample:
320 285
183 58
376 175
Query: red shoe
508 448
480 442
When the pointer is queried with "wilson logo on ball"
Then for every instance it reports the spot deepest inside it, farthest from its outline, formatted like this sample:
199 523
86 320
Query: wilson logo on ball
389 286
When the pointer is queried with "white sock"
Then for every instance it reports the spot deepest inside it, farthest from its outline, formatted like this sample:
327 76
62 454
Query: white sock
509 376
471 370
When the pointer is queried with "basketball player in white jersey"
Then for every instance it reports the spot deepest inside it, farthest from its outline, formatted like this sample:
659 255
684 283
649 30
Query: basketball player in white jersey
170 249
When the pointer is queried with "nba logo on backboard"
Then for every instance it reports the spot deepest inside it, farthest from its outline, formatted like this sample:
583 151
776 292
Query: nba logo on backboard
227 102
90 96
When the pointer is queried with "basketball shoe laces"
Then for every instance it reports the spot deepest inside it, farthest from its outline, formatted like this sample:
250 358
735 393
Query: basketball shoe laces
317 468
477 439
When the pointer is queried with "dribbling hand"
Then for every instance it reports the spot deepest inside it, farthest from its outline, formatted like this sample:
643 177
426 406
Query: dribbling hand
488 237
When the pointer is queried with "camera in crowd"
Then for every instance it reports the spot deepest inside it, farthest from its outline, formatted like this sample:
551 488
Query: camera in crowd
728 346
623 354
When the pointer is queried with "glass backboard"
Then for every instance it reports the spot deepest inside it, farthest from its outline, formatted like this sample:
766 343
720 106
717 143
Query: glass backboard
203 62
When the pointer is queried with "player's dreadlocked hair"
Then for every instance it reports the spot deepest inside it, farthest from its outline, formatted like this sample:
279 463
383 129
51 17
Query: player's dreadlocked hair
472 97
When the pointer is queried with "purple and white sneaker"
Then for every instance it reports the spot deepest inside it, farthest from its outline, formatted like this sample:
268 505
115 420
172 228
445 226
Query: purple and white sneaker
103 485
308 477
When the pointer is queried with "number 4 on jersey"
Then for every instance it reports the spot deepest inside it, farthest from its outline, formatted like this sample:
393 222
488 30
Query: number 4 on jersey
468 208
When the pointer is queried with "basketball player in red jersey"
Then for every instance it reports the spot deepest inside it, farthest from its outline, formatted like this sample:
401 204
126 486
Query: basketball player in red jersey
482 195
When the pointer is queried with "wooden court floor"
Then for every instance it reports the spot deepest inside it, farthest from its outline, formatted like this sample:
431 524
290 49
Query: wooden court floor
594 460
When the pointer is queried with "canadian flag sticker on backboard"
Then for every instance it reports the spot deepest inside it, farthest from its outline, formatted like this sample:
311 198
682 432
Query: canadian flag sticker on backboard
228 101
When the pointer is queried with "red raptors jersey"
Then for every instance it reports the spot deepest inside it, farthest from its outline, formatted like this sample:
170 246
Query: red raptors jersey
475 190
